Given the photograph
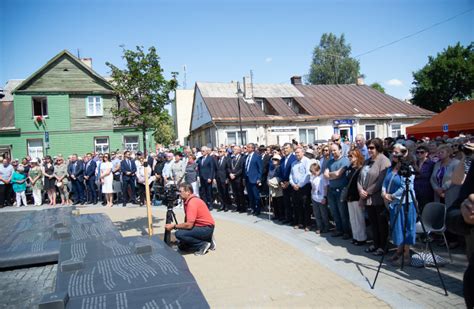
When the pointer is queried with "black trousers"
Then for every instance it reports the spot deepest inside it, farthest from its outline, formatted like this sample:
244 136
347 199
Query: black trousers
287 204
4 194
468 284
91 190
224 196
278 211
238 190
128 182
302 206
378 216
207 193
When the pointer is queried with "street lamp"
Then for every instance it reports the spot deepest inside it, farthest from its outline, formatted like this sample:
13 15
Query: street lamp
239 94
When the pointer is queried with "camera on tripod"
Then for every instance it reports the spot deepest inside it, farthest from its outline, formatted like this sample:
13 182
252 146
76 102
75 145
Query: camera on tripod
168 194
406 169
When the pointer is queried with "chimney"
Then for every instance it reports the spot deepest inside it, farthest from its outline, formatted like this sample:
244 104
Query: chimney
360 81
296 80
87 61
248 87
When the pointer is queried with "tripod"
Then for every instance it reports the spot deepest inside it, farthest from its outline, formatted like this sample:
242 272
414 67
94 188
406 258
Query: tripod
404 203
170 217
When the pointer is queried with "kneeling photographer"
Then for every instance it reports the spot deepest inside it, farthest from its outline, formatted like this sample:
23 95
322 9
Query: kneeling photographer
195 234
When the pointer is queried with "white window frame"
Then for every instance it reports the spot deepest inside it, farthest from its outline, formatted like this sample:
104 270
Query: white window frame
306 141
237 137
131 146
35 151
97 106
44 101
261 104
397 130
101 145
367 131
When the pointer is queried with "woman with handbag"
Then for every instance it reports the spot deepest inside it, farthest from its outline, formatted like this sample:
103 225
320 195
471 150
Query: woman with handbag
351 194
369 185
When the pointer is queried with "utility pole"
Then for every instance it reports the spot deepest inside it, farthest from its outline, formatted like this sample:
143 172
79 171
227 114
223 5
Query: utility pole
239 93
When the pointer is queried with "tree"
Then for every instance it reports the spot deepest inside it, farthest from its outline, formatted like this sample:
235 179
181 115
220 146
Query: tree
143 93
446 78
332 63
378 87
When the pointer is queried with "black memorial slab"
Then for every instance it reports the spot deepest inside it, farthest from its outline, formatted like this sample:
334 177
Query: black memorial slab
89 227
32 238
130 272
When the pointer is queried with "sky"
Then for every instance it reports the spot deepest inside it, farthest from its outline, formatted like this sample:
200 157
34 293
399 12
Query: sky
221 41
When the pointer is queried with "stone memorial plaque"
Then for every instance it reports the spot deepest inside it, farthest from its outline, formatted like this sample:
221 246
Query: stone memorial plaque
91 226
113 272
31 240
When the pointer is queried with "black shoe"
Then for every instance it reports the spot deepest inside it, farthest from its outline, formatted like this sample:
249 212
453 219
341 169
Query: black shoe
204 248
124 205
82 203
346 236
360 243
213 244
76 203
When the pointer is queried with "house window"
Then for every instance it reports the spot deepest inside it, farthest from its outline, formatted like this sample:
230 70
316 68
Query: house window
94 106
40 106
307 136
234 137
291 104
35 148
131 143
261 104
101 144
369 131
396 129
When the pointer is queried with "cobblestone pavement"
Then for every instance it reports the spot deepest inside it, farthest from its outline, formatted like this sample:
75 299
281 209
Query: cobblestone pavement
24 288
262 264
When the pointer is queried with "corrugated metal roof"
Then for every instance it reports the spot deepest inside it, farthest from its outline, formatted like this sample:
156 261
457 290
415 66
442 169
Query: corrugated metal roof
229 90
10 85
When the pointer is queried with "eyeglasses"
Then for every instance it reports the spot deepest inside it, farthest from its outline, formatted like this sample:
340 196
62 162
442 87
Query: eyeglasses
349 156
420 151
371 147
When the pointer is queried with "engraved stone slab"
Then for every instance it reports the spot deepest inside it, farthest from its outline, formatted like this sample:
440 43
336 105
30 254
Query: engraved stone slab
113 272
54 301
91 226
72 265
31 239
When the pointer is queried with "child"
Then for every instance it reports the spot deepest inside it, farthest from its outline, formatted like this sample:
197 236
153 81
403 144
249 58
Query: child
318 195
19 185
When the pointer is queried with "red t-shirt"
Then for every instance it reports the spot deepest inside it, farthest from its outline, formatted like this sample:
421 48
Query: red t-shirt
197 212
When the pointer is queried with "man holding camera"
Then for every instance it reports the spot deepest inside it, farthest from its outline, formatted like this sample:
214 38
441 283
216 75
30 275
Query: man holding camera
195 234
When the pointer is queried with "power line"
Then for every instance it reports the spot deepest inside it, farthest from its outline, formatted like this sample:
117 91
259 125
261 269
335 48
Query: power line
413 34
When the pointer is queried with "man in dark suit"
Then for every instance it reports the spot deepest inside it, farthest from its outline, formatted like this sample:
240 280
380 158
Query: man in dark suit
129 170
89 176
265 153
207 174
222 179
253 177
236 178
284 175
76 174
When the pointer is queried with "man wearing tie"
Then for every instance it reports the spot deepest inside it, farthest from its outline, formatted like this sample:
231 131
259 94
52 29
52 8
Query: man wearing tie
284 175
89 176
207 173
253 176
236 176
222 178
76 173
129 170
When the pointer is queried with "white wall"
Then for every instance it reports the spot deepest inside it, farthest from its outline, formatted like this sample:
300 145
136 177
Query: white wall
200 114
184 106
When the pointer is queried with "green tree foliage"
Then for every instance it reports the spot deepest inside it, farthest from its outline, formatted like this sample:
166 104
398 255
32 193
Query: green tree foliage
144 93
332 63
446 78
378 87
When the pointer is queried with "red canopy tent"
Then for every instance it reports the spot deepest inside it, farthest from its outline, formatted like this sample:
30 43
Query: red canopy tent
457 118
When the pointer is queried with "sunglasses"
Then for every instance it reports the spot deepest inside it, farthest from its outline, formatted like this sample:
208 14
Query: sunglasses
349 156
420 151
371 147
335 140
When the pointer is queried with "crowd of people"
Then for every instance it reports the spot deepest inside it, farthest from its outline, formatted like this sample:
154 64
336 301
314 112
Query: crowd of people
336 186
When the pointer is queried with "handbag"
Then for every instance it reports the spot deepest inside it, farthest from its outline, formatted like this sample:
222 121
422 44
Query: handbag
345 190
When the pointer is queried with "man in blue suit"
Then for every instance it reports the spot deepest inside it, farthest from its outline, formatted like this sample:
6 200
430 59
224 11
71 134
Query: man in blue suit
76 174
207 173
253 176
284 175
129 170
89 176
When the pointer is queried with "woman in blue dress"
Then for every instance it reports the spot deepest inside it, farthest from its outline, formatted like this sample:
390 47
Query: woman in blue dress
392 192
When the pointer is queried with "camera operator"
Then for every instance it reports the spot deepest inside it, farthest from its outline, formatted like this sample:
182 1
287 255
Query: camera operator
195 234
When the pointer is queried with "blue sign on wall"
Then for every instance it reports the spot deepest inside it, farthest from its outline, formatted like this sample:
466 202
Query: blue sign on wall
343 121
445 127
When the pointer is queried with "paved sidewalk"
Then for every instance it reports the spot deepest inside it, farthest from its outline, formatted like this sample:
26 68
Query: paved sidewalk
262 264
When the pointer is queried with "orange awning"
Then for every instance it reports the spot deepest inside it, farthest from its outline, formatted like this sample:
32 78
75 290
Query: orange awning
458 117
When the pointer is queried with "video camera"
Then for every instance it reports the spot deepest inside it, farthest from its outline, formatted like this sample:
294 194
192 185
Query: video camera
406 169
168 194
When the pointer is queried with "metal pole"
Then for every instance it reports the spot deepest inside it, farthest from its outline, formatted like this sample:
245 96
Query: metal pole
240 116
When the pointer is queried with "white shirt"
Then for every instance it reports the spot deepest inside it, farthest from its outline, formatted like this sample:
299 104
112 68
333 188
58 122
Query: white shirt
317 187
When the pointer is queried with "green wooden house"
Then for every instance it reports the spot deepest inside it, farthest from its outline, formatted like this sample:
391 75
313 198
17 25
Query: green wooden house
64 108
